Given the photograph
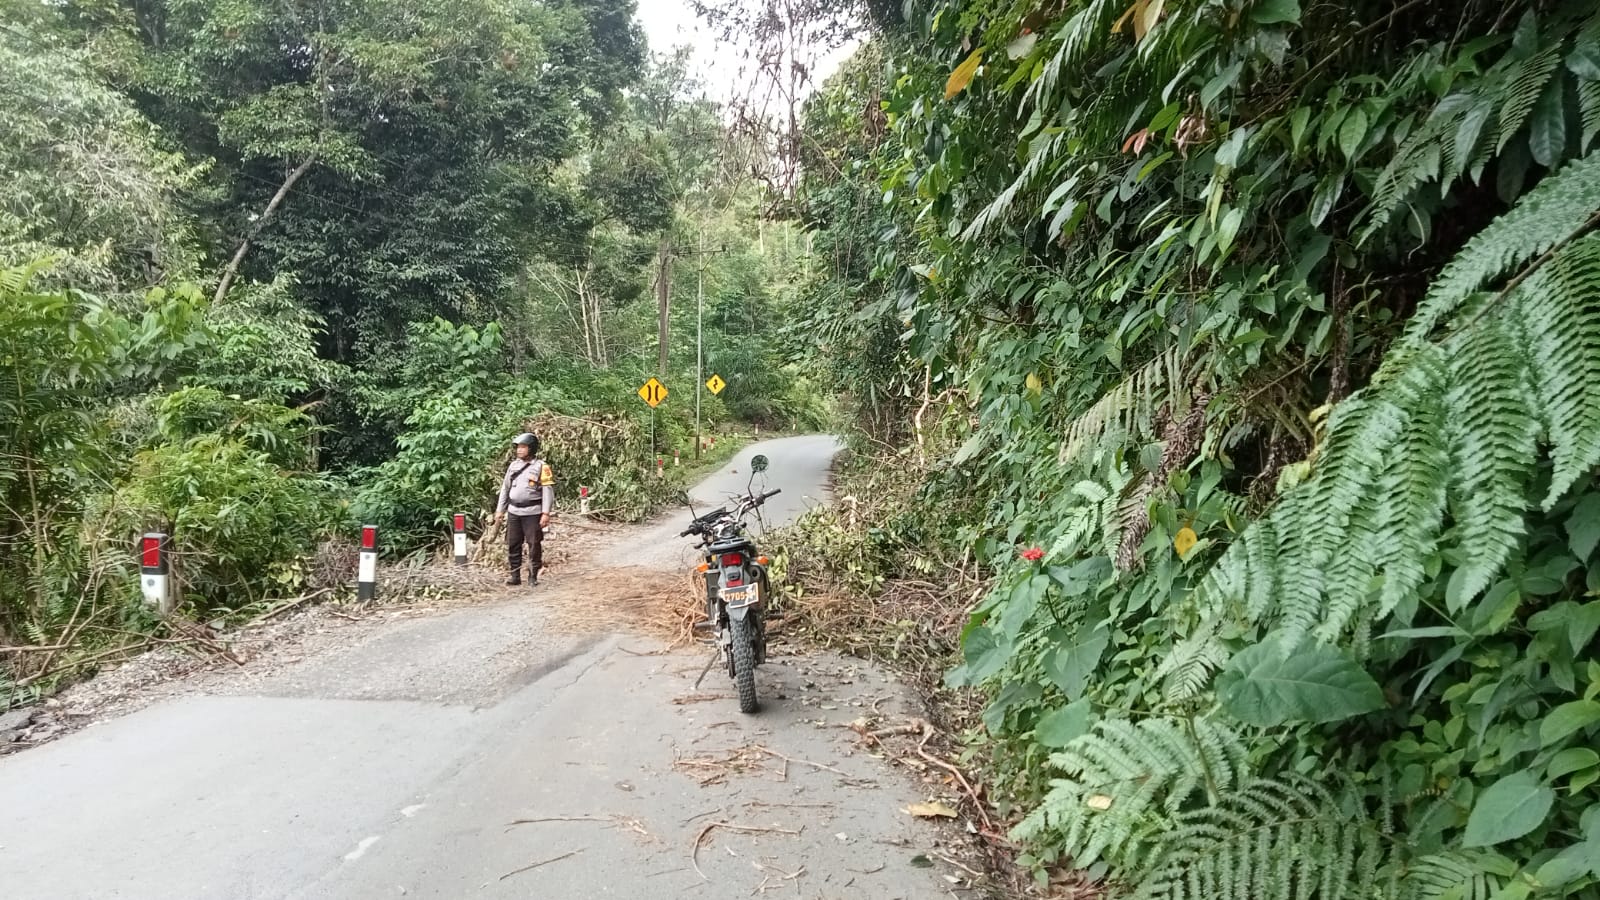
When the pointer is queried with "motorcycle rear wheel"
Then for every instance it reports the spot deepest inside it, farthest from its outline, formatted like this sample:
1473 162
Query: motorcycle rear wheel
744 665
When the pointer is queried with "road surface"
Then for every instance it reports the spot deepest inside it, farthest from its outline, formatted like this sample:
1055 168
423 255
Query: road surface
481 753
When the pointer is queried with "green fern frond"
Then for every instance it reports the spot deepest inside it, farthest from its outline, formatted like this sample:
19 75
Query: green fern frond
1588 114
1411 489
1558 311
1449 427
1077 35
1447 876
1560 207
1189 665
1128 406
1043 154
1124 777
1270 839
1490 434
1526 83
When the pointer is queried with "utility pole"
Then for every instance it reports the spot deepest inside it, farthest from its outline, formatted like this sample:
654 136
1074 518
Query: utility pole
699 334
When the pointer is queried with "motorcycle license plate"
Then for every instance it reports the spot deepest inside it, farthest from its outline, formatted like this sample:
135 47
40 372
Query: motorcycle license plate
737 597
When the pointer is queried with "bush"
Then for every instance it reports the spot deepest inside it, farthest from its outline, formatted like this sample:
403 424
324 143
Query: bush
241 525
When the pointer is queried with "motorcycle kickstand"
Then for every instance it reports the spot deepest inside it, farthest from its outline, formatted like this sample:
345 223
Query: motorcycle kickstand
707 670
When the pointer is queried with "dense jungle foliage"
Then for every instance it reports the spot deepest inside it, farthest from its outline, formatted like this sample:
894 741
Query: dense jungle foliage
1251 345
269 270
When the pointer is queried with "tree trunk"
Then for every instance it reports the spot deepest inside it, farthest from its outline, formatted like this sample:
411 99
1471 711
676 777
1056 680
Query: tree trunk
232 270
663 301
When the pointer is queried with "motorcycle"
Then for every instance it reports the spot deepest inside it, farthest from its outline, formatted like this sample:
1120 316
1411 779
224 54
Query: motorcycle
737 586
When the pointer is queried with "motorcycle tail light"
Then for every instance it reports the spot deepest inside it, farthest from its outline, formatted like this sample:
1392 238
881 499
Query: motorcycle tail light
732 559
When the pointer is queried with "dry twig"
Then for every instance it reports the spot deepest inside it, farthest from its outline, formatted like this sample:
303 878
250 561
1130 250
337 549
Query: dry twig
546 862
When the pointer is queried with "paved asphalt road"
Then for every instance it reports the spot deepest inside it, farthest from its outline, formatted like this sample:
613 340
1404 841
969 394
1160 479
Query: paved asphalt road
477 753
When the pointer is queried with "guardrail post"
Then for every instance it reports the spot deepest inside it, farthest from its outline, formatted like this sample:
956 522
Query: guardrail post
367 571
155 569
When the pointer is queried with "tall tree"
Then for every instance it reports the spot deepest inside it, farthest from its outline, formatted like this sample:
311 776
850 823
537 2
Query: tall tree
395 154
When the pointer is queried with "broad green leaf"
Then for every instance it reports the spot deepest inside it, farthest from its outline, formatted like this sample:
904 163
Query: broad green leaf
1276 12
1222 82
1582 624
1166 117
969 448
1547 132
1071 664
1470 131
1583 526
1584 60
1507 810
1228 229
1573 759
1060 727
1299 121
1021 606
962 76
1566 719
1264 685
985 655
1352 132
1325 197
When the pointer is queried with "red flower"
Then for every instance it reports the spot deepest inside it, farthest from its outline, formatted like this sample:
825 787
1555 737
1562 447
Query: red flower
1033 554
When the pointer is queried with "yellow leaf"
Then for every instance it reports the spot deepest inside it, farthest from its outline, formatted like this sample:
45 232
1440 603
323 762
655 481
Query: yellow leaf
1148 17
1099 802
931 811
1122 20
1185 540
1034 384
962 76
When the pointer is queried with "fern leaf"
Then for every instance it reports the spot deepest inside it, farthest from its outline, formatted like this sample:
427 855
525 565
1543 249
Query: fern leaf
1527 82
1552 213
1268 840
1559 310
1447 876
1188 667
1043 154
1412 487
1121 776
1589 114
1490 432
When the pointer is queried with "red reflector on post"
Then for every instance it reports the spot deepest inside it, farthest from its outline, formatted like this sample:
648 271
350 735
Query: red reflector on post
461 522
369 537
150 553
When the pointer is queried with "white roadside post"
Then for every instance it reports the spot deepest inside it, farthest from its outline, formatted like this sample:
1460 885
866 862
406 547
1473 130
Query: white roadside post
583 501
154 569
367 571
675 461
661 468
459 529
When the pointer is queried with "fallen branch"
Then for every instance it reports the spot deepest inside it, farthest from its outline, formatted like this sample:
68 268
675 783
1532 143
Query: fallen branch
546 862
42 648
559 819
802 762
106 654
694 852
287 605
961 778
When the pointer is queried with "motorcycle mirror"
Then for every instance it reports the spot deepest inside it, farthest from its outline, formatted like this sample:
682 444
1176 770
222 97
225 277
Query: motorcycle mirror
758 463
683 497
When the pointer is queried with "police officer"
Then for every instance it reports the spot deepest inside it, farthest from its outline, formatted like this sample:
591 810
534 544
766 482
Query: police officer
528 495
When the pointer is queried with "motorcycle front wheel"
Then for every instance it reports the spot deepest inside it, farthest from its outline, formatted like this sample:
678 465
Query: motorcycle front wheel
744 664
